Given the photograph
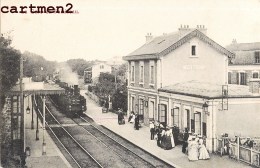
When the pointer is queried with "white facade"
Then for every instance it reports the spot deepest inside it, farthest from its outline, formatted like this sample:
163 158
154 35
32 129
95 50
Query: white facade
208 65
195 57
100 68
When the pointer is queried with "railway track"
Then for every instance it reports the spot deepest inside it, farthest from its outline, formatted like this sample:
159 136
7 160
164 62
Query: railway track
77 153
128 153
122 144
96 148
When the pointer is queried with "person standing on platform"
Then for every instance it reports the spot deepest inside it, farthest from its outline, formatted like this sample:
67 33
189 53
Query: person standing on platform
203 153
132 120
120 116
249 143
136 125
185 140
158 133
176 132
193 154
152 129
131 115
163 138
169 141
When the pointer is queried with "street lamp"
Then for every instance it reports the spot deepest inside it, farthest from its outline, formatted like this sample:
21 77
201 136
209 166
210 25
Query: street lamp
205 108
28 108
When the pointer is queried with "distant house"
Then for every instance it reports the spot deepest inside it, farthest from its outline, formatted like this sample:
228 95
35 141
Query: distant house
181 79
91 74
246 64
111 66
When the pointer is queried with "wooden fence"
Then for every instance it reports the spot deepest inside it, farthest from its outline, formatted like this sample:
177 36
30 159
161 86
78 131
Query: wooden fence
238 151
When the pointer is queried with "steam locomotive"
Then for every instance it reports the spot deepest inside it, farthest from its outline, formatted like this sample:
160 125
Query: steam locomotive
71 102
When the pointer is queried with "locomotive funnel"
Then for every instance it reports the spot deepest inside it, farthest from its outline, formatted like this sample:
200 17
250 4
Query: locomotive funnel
76 89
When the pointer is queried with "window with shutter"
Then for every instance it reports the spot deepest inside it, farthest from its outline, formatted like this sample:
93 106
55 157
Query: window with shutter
197 117
257 57
243 78
163 114
237 78
229 77
255 75
175 113
204 127
192 125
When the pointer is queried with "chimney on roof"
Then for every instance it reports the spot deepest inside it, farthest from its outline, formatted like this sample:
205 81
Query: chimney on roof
184 29
234 41
148 37
202 29
254 85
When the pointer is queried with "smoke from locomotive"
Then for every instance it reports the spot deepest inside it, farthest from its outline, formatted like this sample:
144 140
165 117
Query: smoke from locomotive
71 102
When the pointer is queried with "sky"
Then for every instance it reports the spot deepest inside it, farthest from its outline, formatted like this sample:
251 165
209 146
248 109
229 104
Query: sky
106 28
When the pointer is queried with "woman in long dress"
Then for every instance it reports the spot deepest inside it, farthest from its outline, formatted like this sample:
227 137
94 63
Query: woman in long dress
203 153
132 120
193 150
163 137
169 141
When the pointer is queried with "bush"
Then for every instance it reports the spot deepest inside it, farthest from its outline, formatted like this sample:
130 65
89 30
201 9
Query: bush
103 101
89 88
120 100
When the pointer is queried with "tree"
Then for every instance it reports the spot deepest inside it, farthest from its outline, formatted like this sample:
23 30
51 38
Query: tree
37 67
122 69
9 73
119 99
9 66
79 65
106 84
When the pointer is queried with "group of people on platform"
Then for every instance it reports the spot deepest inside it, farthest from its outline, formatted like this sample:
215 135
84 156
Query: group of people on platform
121 119
163 135
166 137
193 145
245 142
134 118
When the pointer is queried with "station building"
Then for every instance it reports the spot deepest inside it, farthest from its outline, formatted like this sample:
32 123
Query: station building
181 79
246 64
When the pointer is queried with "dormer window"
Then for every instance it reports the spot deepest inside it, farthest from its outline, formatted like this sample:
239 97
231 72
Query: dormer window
193 50
257 57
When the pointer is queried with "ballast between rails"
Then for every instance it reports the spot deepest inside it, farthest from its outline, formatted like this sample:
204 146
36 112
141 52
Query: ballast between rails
127 149
115 141
71 138
99 139
58 138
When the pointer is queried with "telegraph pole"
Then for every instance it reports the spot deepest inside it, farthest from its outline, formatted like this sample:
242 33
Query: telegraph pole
1 114
21 105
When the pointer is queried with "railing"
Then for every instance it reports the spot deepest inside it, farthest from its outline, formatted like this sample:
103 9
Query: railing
93 96
238 152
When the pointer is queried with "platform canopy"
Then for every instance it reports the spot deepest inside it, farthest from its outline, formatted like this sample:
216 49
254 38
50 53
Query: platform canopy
37 88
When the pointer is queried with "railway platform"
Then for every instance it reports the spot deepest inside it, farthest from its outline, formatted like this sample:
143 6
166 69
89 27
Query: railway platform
141 138
53 157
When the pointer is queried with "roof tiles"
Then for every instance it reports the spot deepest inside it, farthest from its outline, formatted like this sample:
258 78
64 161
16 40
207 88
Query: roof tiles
207 90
